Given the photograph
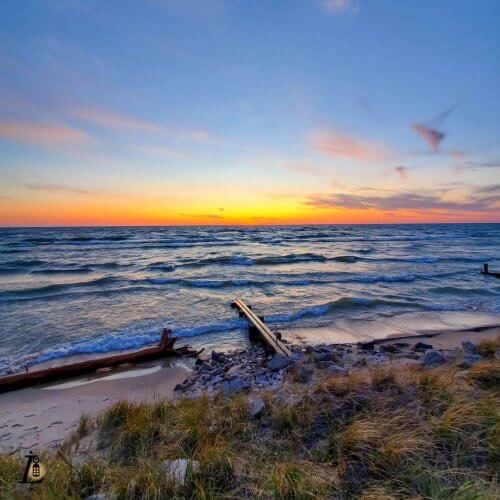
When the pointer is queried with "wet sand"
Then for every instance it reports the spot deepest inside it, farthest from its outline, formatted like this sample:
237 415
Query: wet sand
403 325
44 416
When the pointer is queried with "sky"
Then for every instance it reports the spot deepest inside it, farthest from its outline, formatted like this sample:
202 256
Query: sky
159 112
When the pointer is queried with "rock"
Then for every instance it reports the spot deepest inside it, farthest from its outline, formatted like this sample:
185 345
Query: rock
334 369
324 356
469 360
389 348
309 349
205 367
178 387
278 362
469 347
379 357
433 358
297 357
235 385
234 369
420 346
176 470
256 406
217 356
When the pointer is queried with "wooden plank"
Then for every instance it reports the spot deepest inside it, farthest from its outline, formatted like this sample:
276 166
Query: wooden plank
266 334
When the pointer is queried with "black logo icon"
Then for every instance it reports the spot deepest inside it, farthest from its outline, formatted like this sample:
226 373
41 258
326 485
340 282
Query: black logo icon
34 472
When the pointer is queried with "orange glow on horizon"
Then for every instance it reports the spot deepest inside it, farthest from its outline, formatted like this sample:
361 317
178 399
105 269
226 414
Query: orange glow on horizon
124 212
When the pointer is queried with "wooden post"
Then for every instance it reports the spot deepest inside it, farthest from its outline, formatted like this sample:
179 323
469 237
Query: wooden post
485 268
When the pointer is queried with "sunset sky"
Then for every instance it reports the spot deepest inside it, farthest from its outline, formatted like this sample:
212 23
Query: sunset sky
130 112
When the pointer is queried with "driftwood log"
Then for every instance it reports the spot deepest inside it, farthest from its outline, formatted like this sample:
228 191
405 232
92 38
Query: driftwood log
164 348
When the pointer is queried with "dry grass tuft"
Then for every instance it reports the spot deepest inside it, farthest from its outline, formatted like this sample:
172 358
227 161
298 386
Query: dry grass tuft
488 347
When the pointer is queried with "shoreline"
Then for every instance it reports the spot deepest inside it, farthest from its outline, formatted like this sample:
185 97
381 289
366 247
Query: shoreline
43 417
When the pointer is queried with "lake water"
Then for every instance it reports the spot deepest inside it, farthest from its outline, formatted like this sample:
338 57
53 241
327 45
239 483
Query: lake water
66 291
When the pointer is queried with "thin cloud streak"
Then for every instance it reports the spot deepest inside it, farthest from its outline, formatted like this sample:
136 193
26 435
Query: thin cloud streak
66 189
41 134
117 121
337 145
476 201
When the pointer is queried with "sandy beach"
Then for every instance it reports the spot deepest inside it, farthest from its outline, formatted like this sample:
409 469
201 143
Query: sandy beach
43 417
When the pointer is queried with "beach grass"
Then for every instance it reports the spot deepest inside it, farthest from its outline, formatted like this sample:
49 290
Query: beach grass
374 433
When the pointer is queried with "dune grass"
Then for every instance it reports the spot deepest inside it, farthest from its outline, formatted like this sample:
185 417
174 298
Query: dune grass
380 433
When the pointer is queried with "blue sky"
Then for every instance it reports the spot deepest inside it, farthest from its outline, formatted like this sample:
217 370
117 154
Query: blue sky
228 111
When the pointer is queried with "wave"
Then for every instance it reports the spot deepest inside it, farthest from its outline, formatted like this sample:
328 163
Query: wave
72 270
56 287
125 340
389 278
342 304
238 260
161 266
466 291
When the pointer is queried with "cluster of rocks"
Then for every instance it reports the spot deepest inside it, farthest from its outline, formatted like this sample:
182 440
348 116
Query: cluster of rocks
256 368
235 371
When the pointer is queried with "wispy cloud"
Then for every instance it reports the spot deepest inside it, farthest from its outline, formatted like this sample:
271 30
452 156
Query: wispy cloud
402 171
159 152
67 189
337 7
41 134
338 145
431 136
474 165
111 119
478 200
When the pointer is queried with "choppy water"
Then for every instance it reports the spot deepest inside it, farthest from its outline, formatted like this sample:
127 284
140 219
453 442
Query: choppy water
67 291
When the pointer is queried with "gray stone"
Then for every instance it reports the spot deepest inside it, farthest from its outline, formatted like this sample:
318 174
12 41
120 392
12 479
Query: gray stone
278 362
469 360
420 346
334 369
469 347
234 386
176 470
324 356
217 356
205 367
256 406
380 357
234 369
309 349
433 358
297 357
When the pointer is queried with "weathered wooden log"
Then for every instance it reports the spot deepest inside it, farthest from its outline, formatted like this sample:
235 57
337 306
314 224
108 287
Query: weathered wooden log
164 348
